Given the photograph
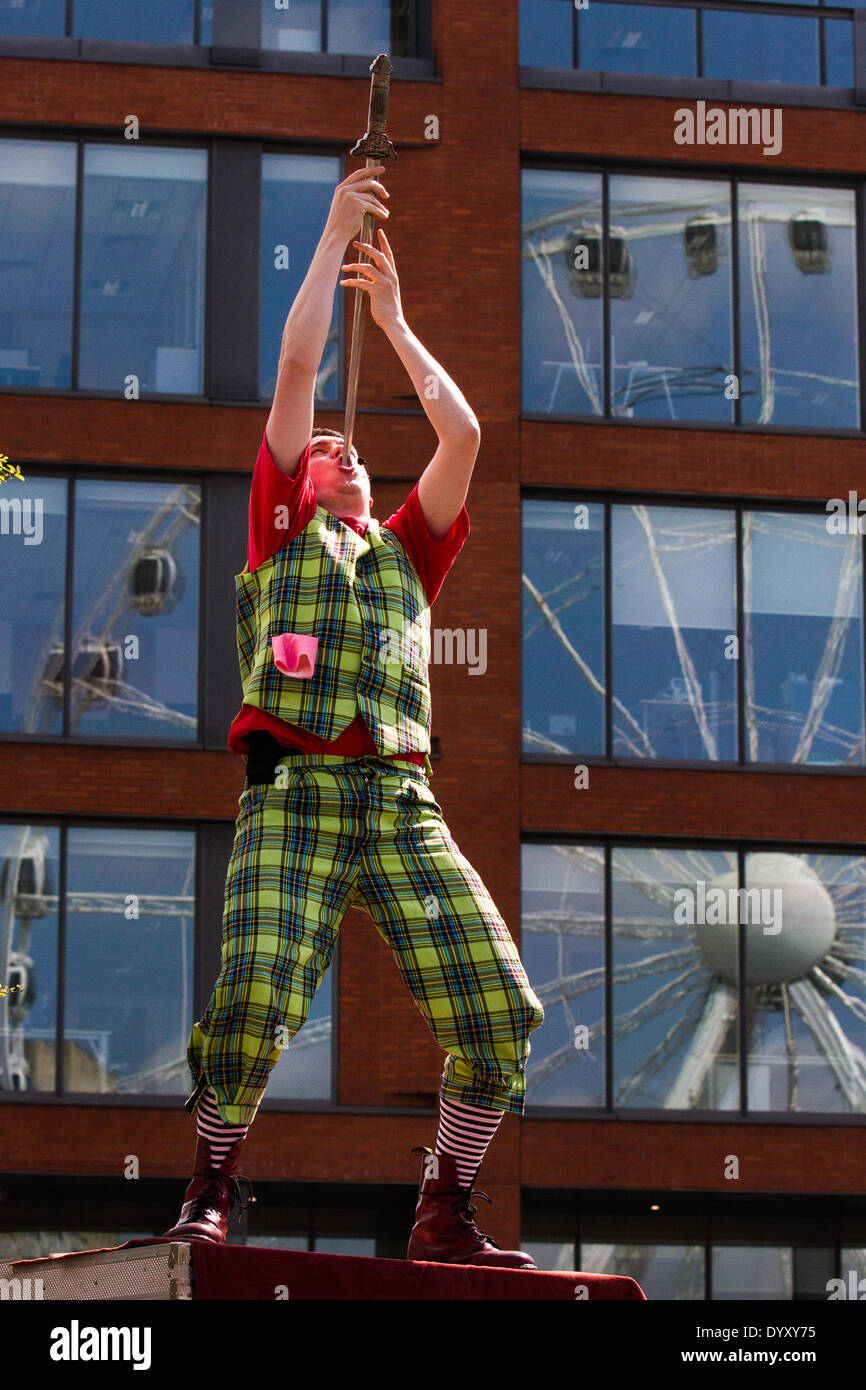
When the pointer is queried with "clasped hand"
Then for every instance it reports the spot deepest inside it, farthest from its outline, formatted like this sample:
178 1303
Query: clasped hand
380 280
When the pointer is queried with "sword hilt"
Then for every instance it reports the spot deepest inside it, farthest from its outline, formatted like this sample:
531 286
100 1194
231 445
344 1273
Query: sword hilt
375 143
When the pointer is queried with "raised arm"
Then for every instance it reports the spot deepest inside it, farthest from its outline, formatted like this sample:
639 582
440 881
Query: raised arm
290 422
443 485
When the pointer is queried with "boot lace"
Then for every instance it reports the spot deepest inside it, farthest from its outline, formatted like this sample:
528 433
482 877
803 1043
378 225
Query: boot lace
200 1202
462 1207
461 1203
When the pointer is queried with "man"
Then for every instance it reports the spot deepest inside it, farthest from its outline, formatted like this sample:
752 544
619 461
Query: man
333 644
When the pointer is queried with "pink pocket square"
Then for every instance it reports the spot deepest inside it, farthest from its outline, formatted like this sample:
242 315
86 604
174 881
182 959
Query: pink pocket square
295 654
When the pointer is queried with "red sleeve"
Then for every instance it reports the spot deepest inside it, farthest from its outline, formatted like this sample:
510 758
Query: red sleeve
280 507
432 559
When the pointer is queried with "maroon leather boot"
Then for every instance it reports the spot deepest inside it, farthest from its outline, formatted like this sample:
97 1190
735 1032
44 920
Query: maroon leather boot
211 1196
444 1232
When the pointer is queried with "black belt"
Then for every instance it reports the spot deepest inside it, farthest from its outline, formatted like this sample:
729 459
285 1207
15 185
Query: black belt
263 755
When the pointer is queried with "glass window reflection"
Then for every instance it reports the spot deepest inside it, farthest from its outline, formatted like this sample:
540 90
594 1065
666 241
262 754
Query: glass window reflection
662 1271
798 289
296 197
561 252
839 52
43 1243
803 644
671 303
129 960
551 1254
294 29
806 929
135 670
546 33
675 1012
563 627
852 1266
562 947
29 877
159 21
33 584
670 310
345 1245
674 674
638 38
752 1272
37 17
281 1241
37 240
761 47
143 270
339 26
361 26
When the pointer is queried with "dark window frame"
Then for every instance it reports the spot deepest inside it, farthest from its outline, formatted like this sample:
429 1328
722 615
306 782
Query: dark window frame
734 175
211 850
737 505
221 334
76 136
703 1218
70 474
819 11
733 844
236 27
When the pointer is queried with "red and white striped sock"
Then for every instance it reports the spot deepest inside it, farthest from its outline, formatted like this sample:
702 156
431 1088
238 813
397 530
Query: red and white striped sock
465 1132
211 1127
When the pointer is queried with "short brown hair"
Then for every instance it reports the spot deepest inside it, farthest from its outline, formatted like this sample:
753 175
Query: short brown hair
337 434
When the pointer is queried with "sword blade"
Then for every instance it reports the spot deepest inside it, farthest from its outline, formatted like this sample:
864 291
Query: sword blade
376 146
358 324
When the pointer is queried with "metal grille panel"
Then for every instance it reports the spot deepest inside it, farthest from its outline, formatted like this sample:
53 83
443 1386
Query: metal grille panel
154 1272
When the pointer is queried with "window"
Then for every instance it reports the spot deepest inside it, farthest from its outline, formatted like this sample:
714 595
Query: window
337 26
119 1019
296 197
673 603
135 609
681 636
563 627
803 640
672 929
360 27
645 39
42 1243
141 269
142 272
703 325
672 1270
771 1272
159 21
753 42
37 247
115 1019
798 287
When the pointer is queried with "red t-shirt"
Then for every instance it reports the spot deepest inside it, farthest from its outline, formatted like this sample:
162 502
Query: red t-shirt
430 558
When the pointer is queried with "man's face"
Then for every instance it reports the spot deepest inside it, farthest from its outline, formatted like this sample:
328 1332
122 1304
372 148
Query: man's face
342 488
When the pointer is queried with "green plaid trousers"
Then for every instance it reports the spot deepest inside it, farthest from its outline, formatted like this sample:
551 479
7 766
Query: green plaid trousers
332 833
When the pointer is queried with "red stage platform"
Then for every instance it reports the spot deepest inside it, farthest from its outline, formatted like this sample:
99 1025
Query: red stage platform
159 1269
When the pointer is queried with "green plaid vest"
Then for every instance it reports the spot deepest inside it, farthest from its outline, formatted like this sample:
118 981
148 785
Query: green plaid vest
366 604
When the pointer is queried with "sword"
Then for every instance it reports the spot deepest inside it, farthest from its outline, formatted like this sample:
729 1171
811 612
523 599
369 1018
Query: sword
376 146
